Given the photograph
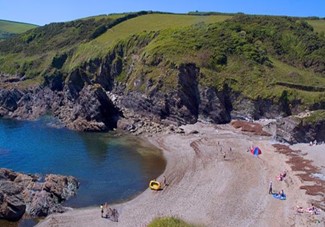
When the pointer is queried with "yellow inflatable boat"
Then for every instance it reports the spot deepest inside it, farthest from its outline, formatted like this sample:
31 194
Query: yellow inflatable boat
154 185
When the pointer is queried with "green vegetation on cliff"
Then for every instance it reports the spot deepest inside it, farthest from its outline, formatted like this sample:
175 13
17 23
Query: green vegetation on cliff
10 28
314 117
261 57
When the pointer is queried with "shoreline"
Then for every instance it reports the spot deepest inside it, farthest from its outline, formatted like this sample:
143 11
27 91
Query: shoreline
207 189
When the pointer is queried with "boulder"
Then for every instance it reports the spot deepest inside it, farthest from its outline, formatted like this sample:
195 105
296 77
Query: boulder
12 207
297 129
62 187
21 193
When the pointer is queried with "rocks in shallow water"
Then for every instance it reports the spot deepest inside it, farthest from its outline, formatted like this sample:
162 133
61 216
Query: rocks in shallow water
22 193
62 187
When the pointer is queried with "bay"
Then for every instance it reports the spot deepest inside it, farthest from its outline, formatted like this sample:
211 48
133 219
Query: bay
110 168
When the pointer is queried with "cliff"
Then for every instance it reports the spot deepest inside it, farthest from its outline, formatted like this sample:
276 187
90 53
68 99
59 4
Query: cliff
216 70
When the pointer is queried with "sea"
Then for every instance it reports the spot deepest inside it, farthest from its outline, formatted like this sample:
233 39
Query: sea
111 167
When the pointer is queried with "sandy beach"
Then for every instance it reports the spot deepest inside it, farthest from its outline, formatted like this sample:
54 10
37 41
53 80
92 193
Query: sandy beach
213 181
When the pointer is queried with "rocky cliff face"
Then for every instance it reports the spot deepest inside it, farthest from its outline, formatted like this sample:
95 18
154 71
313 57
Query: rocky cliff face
295 129
31 194
79 104
91 98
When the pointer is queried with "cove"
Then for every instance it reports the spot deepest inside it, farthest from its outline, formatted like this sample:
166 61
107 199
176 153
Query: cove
110 168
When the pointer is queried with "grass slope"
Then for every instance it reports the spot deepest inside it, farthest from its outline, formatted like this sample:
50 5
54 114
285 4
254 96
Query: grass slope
8 28
261 57
151 22
318 25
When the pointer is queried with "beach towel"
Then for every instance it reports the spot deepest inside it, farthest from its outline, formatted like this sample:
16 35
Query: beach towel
278 196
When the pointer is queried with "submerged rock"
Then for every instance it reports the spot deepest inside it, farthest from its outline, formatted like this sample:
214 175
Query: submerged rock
22 193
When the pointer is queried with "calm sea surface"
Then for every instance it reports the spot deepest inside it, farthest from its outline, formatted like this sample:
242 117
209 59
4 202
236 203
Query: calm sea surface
110 168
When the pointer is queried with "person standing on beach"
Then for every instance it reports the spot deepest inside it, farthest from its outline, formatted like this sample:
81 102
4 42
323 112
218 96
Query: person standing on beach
101 210
165 181
106 210
270 188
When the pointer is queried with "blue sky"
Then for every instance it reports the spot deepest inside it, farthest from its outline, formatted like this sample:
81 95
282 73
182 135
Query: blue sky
42 12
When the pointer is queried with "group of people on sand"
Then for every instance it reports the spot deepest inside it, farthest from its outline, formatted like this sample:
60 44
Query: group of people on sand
280 193
281 177
107 212
311 210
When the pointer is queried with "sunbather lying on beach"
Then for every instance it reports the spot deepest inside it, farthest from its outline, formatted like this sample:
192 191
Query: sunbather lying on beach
299 209
282 176
313 209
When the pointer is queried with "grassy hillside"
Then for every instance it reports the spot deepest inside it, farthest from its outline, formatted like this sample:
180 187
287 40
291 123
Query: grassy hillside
146 23
318 25
261 57
9 28
34 51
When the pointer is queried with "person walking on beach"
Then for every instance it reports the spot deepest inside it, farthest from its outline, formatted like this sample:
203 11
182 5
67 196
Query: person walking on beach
270 188
165 181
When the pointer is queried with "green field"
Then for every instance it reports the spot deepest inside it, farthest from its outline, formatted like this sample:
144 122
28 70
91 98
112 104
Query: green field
145 23
10 27
318 25
15 27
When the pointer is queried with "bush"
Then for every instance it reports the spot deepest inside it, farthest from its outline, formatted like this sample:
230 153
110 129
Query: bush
169 222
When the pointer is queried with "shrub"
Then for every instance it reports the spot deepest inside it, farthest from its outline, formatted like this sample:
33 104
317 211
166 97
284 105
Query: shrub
169 222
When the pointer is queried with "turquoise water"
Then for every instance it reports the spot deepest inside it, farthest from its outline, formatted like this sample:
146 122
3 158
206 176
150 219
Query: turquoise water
110 168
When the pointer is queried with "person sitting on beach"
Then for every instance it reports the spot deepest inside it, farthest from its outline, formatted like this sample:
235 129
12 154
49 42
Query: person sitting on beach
281 193
284 174
300 209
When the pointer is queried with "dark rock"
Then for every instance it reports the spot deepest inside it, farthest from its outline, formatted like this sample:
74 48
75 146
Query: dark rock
295 130
12 207
10 188
194 132
44 203
63 187
20 193
6 174
9 99
211 108
92 110
55 81
188 93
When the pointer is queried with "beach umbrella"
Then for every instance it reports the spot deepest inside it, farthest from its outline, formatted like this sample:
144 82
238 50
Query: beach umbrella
256 151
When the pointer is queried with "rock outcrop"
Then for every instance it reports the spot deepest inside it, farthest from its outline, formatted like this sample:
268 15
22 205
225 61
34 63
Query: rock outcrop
91 98
33 195
296 129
